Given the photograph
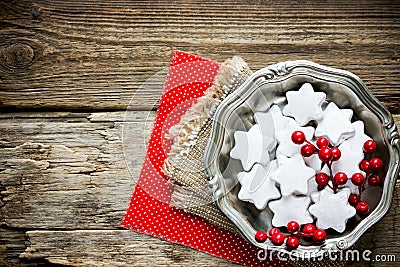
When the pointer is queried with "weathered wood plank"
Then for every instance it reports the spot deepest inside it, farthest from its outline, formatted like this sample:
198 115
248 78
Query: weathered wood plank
66 171
95 54
88 247
112 248
75 167
386 229
71 171
12 244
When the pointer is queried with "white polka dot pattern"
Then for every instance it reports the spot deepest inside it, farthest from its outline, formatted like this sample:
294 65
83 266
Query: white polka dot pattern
148 211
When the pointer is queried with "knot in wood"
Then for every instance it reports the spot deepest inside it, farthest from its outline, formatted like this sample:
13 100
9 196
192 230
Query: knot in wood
17 56
36 11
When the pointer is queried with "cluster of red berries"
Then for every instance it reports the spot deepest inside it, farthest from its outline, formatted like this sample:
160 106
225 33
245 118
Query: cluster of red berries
292 240
326 154
370 167
330 154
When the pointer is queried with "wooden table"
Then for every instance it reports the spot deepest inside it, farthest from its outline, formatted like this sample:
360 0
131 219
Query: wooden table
68 70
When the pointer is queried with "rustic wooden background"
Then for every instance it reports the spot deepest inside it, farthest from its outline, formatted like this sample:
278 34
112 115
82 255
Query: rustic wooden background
68 70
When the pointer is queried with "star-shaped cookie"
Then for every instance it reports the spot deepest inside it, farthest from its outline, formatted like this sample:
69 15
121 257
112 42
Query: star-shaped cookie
280 121
312 187
257 186
265 121
353 188
290 208
335 124
314 162
292 175
358 139
304 105
315 194
333 210
251 147
286 146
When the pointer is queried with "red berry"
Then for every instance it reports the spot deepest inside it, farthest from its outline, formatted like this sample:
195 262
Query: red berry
319 235
292 242
298 137
322 179
340 178
362 207
336 153
365 165
261 236
322 142
369 146
273 231
293 226
325 154
307 150
309 228
374 180
278 239
354 199
376 164
357 178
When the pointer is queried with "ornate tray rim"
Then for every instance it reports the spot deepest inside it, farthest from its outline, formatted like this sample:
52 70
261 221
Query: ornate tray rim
276 71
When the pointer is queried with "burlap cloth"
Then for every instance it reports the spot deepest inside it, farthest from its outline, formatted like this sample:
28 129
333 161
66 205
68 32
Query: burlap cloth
185 162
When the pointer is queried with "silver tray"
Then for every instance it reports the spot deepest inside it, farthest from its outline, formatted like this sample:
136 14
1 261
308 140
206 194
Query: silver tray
268 86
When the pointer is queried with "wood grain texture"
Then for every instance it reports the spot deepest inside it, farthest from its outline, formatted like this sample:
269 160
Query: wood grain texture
77 167
123 248
64 184
95 54
75 191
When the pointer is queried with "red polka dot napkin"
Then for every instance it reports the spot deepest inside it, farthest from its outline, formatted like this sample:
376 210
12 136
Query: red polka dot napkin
148 212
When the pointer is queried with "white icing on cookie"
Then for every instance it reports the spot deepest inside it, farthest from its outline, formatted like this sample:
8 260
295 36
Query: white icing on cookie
286 146
266 123
357 141
312 187
292 175
280 121
314 162
290 208
349 184
333 210
304 105
257 186
251 147
335 124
